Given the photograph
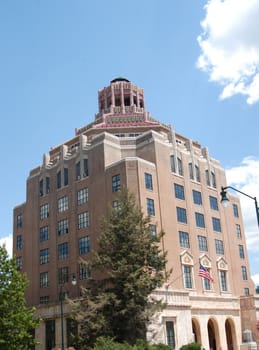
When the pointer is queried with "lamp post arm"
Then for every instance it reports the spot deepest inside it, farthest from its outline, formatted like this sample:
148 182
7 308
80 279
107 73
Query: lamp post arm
247 195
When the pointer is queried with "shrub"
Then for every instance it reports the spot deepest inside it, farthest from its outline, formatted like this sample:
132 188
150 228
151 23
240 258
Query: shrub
191 346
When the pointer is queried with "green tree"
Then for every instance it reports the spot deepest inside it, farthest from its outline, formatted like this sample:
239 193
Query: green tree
125 269
16 320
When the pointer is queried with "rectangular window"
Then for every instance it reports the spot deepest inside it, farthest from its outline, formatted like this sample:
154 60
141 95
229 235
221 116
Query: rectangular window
206 284
190 171
213 180
223 281
41 187
59 179
62 204
184 239
196 197
187 272
246 292
63 251
84 245
116 183
44 299
19 242
170 334
116 205
244 273
86 170
82 196
172 162
83 220
78 171
152 229
216 224
50 334
47 184
197 173
241 251
44 280
213 203
84 272
148 181
44 211
44 256
181 215
179 191
65 176
63 275
180 166
202 241
235 210
63 227
238 231
207 176
19 221
19 263
44 233
219 246
199 220
150 207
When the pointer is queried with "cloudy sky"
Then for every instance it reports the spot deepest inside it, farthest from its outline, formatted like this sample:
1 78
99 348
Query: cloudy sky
198 63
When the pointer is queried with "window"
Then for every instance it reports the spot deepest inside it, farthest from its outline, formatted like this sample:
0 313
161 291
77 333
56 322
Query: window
241 251
116 183
238 231
50 334
197 173
187 273
62 204
223 280
213 203
63 275
19 221
150 207
246 292
148 181
41 187
84 272
19 263
196 197
181 215
59 179
219 246
235 210
44 299
44 233
65 176
44 211
206 284
44 256
207 176
78 171
19 242
179 191
86 170
63 227
82 196
190 171
83 220
202 241
199 220
47 184
244 273
172 162
63 251
84 245
152 229
180 166
216 224
170 334
116 205
184 239
44 279
213 180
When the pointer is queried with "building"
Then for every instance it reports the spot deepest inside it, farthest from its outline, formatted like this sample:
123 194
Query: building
177 183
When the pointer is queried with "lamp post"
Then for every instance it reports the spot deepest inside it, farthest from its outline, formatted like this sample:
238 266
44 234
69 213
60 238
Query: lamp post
63 281
225 200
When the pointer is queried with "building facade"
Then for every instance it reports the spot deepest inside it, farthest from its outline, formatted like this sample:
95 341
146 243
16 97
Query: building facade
177 183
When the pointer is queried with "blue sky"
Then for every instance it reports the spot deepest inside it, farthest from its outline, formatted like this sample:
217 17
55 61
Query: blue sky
198 63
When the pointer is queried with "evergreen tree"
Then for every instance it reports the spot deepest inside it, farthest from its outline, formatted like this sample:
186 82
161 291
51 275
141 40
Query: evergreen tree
126 268
16 320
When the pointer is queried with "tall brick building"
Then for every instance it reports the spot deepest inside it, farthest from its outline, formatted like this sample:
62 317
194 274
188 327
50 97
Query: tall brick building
177 183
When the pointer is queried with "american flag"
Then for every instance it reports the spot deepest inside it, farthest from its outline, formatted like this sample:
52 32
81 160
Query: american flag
203 272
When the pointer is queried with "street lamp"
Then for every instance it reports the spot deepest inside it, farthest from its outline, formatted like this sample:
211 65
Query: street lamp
225 200
63 281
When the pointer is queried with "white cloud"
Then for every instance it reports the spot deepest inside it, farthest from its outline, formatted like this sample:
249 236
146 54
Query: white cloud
255 279
8 243
230 47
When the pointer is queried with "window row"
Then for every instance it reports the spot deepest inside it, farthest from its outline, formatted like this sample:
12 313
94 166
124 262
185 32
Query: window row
199 219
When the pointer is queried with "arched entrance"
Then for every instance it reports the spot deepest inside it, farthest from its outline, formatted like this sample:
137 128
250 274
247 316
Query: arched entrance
230 334
196 330
213 334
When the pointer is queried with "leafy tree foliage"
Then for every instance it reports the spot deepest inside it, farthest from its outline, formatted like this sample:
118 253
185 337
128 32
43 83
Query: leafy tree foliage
126 268
104 343
16 320
191 346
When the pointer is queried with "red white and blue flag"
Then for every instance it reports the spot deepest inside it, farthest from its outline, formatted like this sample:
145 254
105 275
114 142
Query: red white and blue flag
204 273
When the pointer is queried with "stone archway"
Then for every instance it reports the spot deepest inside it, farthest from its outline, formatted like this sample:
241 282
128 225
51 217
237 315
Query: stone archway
196 330
213 334
230 334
